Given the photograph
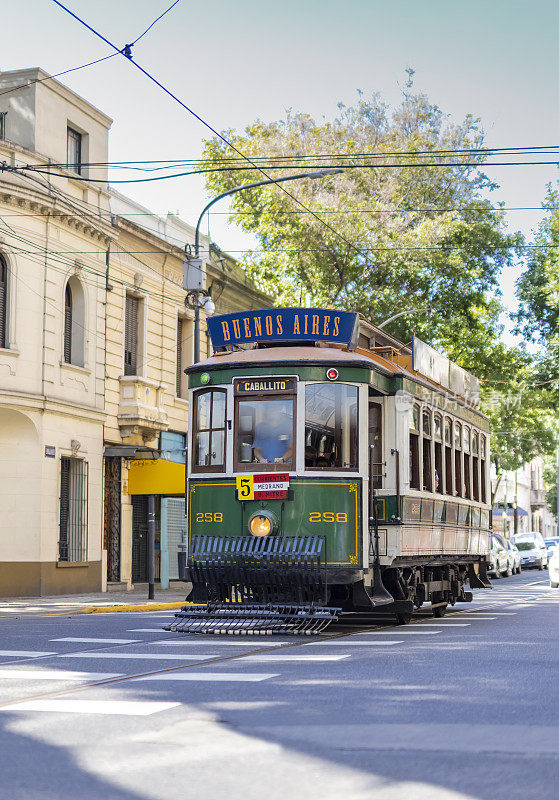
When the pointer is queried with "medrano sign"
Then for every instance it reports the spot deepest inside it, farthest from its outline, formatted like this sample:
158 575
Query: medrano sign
284 324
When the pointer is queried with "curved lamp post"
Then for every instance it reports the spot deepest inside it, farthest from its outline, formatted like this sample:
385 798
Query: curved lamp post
194 296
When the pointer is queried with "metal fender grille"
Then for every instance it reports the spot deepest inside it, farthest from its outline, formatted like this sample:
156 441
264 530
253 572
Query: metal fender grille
253 620
275 584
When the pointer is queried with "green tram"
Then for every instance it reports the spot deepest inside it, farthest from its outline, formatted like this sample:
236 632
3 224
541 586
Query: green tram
332 472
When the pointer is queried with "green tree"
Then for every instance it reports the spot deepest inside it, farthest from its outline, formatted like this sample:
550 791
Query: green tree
404 237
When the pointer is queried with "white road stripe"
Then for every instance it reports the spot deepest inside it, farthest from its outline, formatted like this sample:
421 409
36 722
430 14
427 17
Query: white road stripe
94 641
346 643
130 708
398 633
241 677
442 623
26 653
295 657
131 656
156 629
56 675
218 641
477 616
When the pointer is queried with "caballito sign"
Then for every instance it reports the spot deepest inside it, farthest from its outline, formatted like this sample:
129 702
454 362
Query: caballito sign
284 325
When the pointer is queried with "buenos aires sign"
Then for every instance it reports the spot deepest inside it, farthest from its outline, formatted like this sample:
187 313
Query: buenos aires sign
284 325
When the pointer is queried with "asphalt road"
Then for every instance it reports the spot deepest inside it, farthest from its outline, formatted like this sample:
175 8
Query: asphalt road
110 706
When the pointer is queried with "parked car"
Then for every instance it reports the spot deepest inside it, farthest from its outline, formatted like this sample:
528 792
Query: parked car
533 552
499 558
554 569
514 555
551 544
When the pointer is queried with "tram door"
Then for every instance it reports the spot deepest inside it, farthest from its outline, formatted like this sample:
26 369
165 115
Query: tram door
375 443
139 539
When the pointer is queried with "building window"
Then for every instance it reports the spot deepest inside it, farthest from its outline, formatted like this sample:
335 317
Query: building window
68 325
3 302
72 545
184 354
74 151
331 426
209 431
73 349
3 124
131 317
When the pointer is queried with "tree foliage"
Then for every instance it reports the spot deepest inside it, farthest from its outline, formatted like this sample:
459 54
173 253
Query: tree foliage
404 237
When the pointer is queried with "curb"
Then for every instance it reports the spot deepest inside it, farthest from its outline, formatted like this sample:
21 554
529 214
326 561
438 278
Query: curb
124 608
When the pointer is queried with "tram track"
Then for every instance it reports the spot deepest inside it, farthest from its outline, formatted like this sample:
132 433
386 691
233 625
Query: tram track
417 619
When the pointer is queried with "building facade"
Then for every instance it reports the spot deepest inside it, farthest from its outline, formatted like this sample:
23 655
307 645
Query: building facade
94 335
520 502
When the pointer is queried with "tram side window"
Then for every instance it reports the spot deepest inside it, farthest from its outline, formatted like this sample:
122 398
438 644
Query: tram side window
331 426
209 431
483 476
264 431
448 482
458 485
438 435
427 471
375 443
466 448
475 466
414 449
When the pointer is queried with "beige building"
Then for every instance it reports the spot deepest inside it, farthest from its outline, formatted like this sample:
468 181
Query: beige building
520 499
94 334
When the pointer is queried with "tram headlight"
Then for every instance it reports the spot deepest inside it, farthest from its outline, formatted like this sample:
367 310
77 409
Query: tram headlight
260 524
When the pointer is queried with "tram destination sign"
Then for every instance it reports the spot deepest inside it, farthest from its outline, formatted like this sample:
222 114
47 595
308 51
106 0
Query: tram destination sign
267 385
284 325
268 486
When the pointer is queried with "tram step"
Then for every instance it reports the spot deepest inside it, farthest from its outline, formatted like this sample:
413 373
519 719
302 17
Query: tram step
253 620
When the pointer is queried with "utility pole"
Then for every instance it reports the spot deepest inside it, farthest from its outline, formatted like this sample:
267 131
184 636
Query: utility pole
193 272
151 546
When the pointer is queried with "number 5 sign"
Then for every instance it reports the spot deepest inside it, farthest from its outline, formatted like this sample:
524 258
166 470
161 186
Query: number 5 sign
245 487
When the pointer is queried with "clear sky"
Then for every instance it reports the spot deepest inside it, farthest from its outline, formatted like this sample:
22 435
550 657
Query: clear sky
234 62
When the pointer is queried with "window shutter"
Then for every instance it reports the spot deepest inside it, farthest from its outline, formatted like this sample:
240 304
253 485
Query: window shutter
3 301
68 325
131 336
179 357
64 508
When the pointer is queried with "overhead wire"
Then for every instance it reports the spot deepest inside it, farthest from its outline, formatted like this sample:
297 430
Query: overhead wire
57 74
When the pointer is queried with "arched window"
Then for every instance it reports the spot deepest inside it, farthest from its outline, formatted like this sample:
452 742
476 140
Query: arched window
3 302
68 325
74 323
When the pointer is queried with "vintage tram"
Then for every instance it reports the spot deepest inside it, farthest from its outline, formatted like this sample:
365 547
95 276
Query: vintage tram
332 472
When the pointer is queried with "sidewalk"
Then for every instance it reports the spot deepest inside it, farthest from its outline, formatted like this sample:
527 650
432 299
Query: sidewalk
134 600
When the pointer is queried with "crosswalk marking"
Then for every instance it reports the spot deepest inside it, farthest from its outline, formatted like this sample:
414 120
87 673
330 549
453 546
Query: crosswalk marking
129 708
56 675
219 642
295 657
86 640
218 677
442 623
156 629
131 656
349 643
405 632
26 653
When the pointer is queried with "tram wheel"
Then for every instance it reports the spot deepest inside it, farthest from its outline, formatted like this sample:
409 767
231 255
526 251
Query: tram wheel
403 618
440 611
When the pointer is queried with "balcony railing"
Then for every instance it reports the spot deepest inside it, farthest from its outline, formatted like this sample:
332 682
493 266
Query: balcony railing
537 498
141 408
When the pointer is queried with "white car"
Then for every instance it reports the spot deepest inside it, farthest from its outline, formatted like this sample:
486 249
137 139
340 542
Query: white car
554 569
514 555
533 552
500 561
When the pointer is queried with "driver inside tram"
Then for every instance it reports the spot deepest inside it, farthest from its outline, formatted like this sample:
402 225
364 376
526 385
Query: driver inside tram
273 438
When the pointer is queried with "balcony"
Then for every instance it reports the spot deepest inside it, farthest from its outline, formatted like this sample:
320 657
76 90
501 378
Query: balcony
141 407
537 498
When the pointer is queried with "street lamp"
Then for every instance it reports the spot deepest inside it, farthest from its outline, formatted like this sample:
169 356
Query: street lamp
197 296
401 313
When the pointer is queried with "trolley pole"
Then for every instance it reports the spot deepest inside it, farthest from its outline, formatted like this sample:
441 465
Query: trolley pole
151 547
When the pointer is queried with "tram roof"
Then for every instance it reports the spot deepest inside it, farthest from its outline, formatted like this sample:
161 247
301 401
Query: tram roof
272 356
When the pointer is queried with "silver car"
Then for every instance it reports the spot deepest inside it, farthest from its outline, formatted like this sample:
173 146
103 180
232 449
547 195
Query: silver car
499 559
514 555
533 552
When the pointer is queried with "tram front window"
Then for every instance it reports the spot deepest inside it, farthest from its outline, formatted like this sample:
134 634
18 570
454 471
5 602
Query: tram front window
265 431
331 426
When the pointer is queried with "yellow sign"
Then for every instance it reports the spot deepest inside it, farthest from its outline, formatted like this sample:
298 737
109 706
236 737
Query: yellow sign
245 487
156 477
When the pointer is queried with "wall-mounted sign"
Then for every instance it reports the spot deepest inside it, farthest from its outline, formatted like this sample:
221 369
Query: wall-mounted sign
50 451
284 325
264 385
269 486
